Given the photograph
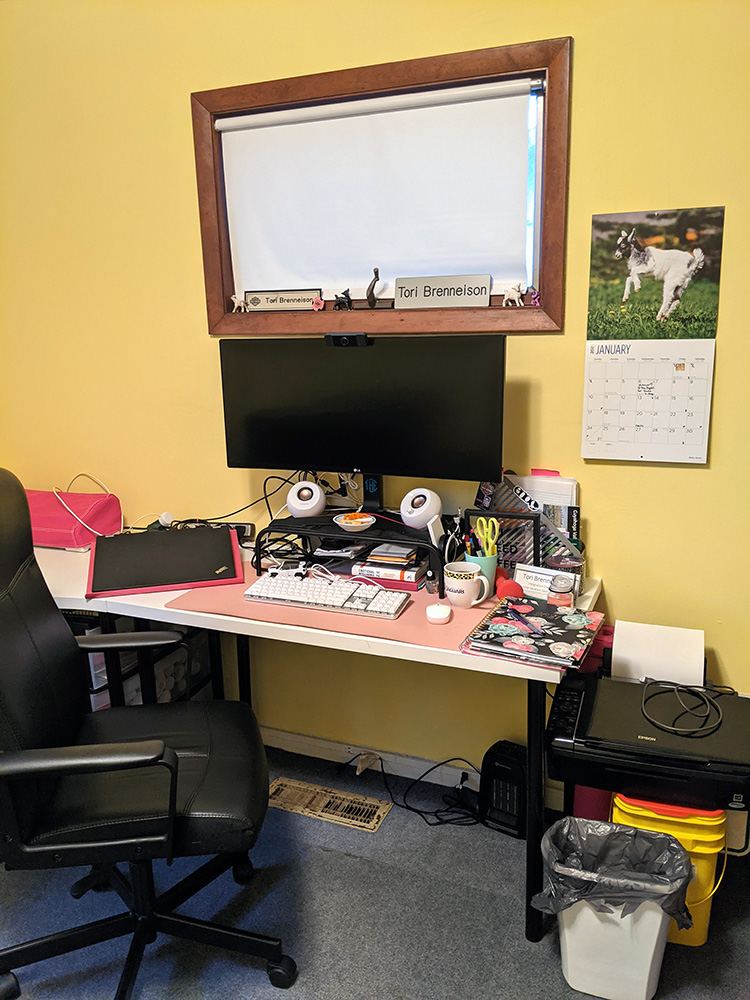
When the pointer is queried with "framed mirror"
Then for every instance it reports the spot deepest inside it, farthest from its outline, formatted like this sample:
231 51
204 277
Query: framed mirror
330 187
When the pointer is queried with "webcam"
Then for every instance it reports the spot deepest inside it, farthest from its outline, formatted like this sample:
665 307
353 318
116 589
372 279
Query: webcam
347 340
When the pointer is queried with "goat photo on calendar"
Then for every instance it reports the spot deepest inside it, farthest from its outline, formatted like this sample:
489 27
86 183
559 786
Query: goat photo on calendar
655 275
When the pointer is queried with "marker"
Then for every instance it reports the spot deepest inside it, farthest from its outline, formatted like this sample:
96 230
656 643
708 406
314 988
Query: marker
476 547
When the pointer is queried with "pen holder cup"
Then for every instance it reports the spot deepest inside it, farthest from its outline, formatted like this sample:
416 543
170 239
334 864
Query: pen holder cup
488 565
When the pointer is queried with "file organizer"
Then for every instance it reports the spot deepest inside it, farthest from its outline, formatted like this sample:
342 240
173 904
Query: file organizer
526 535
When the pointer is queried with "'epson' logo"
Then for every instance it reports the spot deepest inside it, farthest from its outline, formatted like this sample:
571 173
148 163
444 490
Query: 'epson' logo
651 739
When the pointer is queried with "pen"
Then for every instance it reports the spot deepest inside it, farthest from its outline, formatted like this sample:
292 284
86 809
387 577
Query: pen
476 547
517 616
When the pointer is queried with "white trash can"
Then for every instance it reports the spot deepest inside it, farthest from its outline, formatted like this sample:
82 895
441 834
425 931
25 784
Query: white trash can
611 956
614 890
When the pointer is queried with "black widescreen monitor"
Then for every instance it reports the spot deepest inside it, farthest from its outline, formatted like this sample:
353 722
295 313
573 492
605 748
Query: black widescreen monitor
425 407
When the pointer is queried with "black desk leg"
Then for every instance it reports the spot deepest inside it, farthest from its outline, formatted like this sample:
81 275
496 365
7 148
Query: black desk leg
146 667
147 677
243 669
535 720
112 663
217 667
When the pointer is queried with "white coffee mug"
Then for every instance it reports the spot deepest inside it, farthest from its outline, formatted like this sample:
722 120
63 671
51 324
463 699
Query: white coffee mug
463 584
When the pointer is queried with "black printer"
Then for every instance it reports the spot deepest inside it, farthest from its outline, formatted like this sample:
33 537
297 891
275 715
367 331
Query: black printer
601 733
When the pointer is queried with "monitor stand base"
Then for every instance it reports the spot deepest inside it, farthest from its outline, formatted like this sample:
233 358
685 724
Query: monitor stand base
372 493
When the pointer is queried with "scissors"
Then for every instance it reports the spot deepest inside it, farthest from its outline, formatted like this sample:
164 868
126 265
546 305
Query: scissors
488 530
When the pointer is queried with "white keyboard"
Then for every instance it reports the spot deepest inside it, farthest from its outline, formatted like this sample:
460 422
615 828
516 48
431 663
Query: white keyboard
347 596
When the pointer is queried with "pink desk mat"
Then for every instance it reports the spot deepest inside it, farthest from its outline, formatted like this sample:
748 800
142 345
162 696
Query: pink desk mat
411 625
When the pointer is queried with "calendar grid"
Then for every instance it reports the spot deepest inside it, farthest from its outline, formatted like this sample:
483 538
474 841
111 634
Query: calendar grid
647 400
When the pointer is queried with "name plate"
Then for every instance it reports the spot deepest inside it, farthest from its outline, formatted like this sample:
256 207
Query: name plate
296 298
448 291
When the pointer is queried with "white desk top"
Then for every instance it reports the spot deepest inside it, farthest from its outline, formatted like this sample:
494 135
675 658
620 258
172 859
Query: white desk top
66 575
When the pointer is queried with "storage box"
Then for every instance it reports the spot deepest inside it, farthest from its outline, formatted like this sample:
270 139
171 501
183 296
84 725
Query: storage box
702 832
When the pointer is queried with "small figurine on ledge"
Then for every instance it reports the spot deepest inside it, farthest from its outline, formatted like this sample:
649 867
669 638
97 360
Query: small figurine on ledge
343 301
371 300
240 305
513 295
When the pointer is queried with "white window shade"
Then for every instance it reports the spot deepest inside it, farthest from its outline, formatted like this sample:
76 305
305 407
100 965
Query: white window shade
431 183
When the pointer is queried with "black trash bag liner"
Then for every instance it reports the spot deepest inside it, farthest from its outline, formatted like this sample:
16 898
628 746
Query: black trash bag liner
608 864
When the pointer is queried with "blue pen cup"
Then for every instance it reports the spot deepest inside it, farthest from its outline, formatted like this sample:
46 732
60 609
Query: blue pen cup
488 565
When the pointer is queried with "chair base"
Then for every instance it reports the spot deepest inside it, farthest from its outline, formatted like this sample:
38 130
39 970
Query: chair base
146 916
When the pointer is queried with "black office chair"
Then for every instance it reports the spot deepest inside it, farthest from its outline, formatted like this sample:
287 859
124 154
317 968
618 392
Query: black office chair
122 785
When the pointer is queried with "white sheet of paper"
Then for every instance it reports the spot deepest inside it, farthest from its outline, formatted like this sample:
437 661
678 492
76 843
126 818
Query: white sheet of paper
661 652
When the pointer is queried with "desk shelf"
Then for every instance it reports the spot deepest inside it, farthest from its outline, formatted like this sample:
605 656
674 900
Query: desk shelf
309 529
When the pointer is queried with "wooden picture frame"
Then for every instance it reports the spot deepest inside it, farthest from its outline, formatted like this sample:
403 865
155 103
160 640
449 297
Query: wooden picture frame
550 58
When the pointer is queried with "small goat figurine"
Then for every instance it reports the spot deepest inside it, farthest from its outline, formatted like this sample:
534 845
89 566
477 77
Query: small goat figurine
674 267
513 295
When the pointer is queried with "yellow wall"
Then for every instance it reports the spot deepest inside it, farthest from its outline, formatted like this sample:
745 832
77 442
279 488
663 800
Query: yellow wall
106 365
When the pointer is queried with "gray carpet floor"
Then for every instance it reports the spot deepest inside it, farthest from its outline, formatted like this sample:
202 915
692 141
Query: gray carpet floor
411 912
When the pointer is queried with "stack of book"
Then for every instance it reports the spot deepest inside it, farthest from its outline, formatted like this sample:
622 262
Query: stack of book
396 567
531 631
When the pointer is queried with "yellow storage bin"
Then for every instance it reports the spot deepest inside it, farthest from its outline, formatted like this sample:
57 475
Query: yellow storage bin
703 835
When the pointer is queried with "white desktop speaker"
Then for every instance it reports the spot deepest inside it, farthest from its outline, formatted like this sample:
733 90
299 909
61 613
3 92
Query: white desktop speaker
305 499
421 508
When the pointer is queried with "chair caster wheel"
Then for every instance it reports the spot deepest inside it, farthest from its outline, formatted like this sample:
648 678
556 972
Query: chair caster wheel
243 872
9 988
95 881
282 973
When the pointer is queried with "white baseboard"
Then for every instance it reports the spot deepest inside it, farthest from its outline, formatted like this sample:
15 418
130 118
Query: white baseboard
448 775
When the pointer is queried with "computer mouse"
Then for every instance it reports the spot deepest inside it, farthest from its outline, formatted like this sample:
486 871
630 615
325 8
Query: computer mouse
438 614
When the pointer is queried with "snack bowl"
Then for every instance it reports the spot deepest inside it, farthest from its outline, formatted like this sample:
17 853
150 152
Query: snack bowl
354 521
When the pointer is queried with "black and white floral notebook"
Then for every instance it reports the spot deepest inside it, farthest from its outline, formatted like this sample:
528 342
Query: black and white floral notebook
526 628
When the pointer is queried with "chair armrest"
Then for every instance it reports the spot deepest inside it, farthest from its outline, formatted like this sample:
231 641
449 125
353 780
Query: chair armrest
89 758
127 640
86 759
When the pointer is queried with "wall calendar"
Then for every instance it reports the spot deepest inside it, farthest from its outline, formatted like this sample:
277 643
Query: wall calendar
651 336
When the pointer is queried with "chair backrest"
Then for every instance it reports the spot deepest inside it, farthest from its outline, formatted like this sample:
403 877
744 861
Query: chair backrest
43 681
